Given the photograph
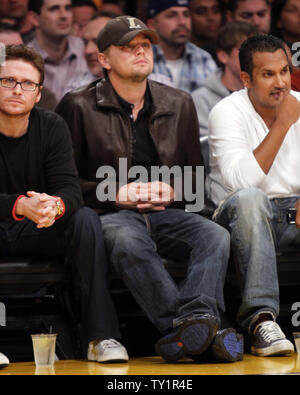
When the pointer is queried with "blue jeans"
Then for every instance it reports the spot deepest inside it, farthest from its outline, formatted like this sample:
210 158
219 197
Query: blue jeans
258 227
135 243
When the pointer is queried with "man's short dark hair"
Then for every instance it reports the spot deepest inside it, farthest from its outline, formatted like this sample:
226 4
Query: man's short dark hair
82 3
259 43
232 33
102 14
277 7
35 5
21 52
232 5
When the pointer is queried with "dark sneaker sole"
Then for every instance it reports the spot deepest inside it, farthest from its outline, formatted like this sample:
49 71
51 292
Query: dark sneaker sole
228 346
192 337
4 366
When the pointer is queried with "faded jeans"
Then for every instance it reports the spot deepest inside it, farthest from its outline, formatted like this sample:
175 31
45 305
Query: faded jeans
135 243
258 227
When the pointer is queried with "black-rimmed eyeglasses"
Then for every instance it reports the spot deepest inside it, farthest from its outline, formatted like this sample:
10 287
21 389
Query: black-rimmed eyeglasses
12 83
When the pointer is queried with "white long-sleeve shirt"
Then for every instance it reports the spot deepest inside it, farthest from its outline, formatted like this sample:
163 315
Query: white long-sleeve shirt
235 131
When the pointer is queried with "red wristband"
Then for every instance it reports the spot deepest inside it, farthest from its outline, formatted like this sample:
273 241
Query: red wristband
15 217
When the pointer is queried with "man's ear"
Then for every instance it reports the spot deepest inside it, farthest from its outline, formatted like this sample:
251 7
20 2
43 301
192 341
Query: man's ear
104 61
38 98
246 79
34 18
222 56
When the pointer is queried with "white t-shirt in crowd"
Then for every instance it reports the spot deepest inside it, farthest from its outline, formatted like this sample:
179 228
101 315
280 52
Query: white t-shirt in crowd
175 67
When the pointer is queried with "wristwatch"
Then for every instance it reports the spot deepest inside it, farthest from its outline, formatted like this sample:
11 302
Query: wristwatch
60 208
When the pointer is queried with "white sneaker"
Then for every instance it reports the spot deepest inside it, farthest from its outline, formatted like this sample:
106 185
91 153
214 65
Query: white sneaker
4 362
108 350
268 339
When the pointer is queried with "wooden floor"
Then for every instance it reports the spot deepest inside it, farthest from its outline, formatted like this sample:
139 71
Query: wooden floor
155 366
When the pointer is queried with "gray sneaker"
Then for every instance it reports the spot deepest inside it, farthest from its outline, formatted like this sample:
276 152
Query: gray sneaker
4 362
108 350
268 339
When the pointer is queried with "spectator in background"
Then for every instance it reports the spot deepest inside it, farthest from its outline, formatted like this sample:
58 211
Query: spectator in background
286 20
225 80
207 19
10 36
17 11
256 12
115 6
176 57
63 54
90 35
83 11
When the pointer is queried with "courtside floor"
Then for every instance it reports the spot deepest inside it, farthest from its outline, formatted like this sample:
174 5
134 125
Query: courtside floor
152 366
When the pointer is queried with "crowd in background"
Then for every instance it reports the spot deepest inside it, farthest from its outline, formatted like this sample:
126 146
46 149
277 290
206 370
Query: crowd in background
65 33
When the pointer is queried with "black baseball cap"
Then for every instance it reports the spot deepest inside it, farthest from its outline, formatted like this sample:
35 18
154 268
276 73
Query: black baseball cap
121 30
157 6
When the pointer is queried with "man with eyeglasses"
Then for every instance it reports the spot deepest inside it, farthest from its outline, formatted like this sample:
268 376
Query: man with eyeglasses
10 36
11 83
41 211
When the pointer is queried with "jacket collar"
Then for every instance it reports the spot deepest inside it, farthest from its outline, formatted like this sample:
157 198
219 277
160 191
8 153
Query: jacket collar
106 97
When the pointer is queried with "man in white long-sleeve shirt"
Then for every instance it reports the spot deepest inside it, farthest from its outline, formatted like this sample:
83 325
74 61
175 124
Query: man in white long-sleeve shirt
254 138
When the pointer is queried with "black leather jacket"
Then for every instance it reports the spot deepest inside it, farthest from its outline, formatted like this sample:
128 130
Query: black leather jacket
101 132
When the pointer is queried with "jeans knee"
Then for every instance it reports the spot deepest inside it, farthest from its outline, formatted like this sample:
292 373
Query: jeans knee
121 238
250 203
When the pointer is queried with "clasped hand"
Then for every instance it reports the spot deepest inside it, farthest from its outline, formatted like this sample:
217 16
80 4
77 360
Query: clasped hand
144 197
39 208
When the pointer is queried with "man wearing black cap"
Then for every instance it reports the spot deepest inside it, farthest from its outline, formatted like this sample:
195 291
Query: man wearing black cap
125 121
176 57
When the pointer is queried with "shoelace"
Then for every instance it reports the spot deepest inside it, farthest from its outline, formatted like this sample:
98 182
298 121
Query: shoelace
110 343
270 331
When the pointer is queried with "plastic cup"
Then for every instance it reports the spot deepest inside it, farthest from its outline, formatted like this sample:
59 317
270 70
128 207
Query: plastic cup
45 371
297 341
44 349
